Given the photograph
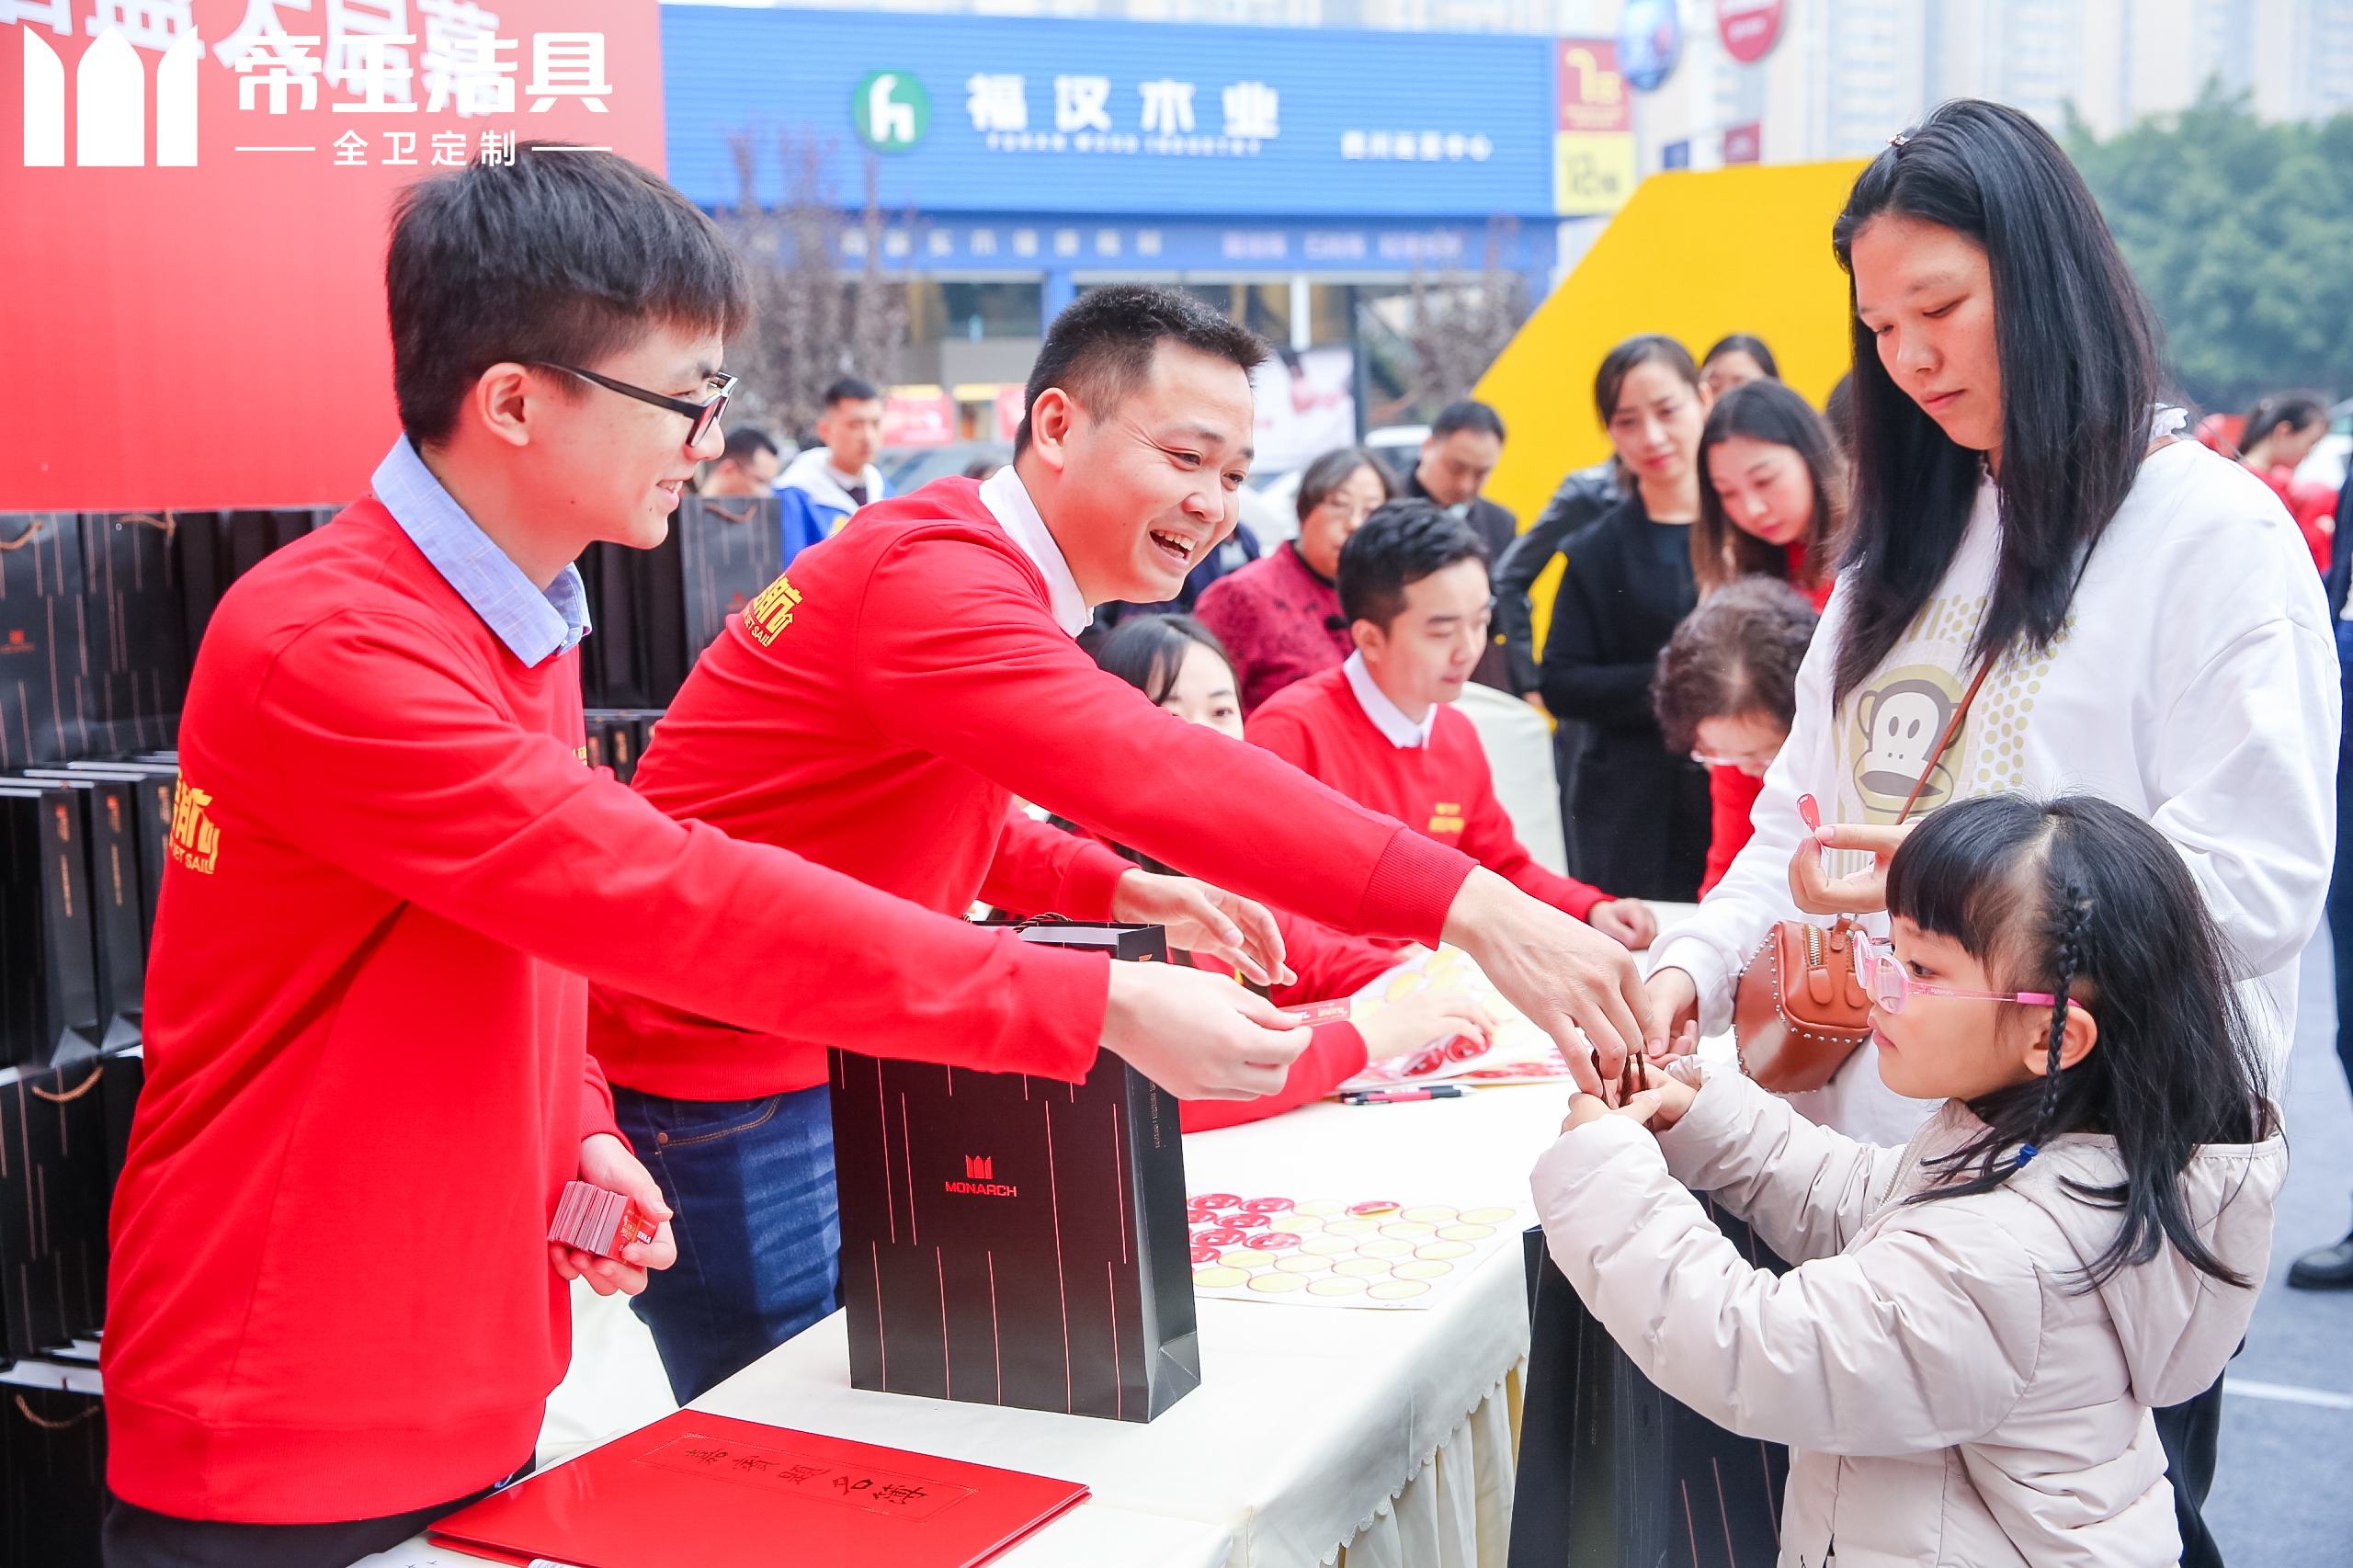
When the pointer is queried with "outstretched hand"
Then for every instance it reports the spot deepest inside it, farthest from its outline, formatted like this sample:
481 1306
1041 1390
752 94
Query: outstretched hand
1200 919
1577 986
1864 893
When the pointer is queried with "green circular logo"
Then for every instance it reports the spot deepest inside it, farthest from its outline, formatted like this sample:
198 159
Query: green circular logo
890 110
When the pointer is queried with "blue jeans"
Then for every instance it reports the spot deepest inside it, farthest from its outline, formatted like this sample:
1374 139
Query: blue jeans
758 1228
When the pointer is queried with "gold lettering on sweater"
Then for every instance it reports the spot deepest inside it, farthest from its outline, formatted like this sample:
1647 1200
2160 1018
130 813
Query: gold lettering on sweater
772 612
1448 817
196 838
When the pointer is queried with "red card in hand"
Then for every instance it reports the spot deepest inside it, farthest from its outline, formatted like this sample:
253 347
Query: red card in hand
594 1220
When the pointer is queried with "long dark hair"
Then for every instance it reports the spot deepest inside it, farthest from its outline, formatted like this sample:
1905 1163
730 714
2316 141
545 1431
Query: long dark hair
1148 651
2078 897
2078 357
1722 551
2296 410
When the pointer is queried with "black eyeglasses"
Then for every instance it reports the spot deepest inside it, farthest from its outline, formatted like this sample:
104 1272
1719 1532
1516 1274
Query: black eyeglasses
703 415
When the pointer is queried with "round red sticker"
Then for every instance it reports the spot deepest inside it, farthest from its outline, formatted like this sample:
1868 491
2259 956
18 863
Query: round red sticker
1273 1241
1213 1200
1216 1236
1267 1206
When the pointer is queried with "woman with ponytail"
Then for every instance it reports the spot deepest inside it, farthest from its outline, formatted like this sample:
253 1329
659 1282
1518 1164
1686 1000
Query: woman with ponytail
1965 1360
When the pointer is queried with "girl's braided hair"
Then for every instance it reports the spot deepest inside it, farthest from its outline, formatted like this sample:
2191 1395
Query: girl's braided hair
2081 898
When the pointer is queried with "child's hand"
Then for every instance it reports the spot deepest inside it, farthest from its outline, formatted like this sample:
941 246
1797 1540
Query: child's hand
1424 1018
1677 1087
1660 1103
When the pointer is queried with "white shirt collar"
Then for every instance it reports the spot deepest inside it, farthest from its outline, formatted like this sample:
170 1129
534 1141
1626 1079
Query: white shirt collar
1008 500
1386 716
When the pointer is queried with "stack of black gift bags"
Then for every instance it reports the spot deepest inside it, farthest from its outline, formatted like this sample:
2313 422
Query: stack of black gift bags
101 617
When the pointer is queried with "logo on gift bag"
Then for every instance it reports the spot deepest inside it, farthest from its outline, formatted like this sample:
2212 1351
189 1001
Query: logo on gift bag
196 838
772 612
980 1178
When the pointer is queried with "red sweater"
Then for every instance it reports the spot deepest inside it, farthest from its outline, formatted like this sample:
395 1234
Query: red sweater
1731 794
1443 790
330 1295
1277 619
877 711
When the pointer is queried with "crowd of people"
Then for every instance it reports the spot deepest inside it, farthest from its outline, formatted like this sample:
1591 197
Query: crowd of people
1990 660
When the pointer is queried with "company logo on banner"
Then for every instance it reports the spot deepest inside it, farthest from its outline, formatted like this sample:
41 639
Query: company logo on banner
198 196
1592 140
1650 41
1089 116
1744 143
890 110
1749 27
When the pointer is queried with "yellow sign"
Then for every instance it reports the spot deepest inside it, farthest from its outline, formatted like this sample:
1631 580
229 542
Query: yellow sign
1593 172
1694 255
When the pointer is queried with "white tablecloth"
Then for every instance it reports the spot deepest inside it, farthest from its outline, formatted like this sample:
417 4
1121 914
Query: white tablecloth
1386 1432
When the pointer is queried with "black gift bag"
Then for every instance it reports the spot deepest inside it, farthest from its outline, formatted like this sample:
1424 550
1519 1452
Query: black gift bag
153 788
1010 1240
45 676
139 646
49 979
53 1476
729 548
1615 1474
54 1192
110 850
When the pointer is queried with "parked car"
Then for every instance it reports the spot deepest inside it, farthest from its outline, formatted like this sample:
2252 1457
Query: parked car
912 468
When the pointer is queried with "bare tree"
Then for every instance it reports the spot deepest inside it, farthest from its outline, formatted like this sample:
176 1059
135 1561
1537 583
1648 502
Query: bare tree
813 322
1460 319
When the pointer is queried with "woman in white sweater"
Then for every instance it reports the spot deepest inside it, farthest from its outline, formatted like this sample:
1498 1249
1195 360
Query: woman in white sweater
2145 610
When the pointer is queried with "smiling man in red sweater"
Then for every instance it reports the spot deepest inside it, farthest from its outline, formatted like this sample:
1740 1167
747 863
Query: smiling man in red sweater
332 1314
879 706
1414 585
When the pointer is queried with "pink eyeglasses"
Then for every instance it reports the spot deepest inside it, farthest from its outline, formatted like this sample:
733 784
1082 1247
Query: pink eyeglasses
1884 979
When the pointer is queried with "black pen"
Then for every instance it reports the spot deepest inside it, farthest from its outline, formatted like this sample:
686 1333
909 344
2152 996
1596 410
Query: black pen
1399 1097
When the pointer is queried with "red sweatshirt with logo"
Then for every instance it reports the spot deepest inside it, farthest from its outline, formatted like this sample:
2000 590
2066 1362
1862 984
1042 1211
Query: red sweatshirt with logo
1444 790
877 710
330 1295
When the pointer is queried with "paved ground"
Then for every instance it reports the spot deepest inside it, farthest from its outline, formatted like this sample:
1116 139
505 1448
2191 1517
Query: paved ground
2283 1494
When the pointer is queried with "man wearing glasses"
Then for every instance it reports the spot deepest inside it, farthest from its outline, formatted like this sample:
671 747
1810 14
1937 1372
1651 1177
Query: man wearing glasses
332 1314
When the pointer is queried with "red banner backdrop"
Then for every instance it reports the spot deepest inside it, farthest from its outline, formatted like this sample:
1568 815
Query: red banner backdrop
195 195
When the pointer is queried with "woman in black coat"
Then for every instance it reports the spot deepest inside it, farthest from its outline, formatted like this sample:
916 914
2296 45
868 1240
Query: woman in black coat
1639 816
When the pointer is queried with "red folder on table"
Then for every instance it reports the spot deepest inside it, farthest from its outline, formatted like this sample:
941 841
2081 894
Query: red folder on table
695 1490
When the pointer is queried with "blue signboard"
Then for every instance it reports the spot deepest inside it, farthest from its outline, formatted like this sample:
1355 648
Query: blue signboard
989 114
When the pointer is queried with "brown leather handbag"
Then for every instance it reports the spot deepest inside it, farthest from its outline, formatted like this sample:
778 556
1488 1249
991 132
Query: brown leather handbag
1800 1010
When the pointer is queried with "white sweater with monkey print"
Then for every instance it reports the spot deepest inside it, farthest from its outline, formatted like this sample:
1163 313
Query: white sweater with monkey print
2195 682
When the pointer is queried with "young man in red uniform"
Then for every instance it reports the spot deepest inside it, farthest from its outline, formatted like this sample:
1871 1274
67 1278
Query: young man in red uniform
1414 585
879 707
333 1313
